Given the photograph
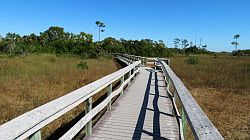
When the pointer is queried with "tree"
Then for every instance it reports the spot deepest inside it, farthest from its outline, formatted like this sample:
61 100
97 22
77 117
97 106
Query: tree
176 42
204 47
100 25
184 43
235 43
54 39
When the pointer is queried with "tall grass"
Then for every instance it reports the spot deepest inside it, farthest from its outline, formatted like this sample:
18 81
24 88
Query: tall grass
221 86
26 83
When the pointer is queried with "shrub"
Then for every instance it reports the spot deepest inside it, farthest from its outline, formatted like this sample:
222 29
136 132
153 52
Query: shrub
215 55
83 65
51 59
192 60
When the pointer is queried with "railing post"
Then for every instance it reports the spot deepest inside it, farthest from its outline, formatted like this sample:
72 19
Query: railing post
88 107
129 75
109 92
183 120
122 80
174 100
36 136
168 82
167 79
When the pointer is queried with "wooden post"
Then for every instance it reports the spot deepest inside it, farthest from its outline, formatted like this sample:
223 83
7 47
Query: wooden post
122 80
174 100
168 82
36 136
129 75
155 65
88 107
141 61
183 120
109 92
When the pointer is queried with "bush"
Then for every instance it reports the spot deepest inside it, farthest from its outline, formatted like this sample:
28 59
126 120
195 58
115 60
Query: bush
83 65
51 59
192 60
215 55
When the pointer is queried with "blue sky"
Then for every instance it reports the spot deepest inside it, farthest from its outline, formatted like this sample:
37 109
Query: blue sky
215 21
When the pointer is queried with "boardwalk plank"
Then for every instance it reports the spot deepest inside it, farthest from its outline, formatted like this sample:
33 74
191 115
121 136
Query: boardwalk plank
143 112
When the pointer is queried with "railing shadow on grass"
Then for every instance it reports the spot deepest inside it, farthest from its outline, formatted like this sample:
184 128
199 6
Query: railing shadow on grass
156 119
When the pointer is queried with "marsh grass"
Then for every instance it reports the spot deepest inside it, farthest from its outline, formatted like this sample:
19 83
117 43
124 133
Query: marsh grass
31 81
221 86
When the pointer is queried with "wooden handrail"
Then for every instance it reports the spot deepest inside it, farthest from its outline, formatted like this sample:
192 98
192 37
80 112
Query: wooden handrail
201 126
30 123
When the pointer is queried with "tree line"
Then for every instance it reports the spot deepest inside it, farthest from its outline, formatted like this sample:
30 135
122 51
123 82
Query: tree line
56 40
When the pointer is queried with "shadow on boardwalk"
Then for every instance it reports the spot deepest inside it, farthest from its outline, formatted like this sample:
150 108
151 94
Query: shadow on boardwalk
156 118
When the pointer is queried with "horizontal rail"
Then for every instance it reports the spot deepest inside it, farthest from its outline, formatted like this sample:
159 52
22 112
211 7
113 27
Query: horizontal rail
124 60
31 122
80 124
201 126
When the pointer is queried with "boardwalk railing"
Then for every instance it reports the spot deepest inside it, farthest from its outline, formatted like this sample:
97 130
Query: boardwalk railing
202 128
29 124
199 123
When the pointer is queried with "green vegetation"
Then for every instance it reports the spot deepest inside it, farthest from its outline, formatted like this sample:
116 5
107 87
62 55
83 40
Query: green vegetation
192 60
221 87
83 65
56 40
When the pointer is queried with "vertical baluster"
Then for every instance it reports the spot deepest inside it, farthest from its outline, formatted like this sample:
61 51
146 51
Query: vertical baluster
168 78
141 61
134 69
36 136
122 80
129 75
168 83
174 100
109 92
183 120
88 108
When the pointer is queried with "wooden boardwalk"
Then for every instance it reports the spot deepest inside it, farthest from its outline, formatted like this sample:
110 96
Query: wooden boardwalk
143 112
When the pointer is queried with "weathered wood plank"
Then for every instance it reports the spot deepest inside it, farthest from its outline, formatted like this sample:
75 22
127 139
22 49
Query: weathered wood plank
143 112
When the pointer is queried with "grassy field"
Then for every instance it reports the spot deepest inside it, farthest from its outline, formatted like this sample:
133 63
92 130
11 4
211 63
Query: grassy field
221 86
26 83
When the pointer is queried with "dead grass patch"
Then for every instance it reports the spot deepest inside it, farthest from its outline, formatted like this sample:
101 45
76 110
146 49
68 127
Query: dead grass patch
221 86
29 82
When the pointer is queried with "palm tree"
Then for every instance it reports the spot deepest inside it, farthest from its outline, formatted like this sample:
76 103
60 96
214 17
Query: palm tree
100 25
235 43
